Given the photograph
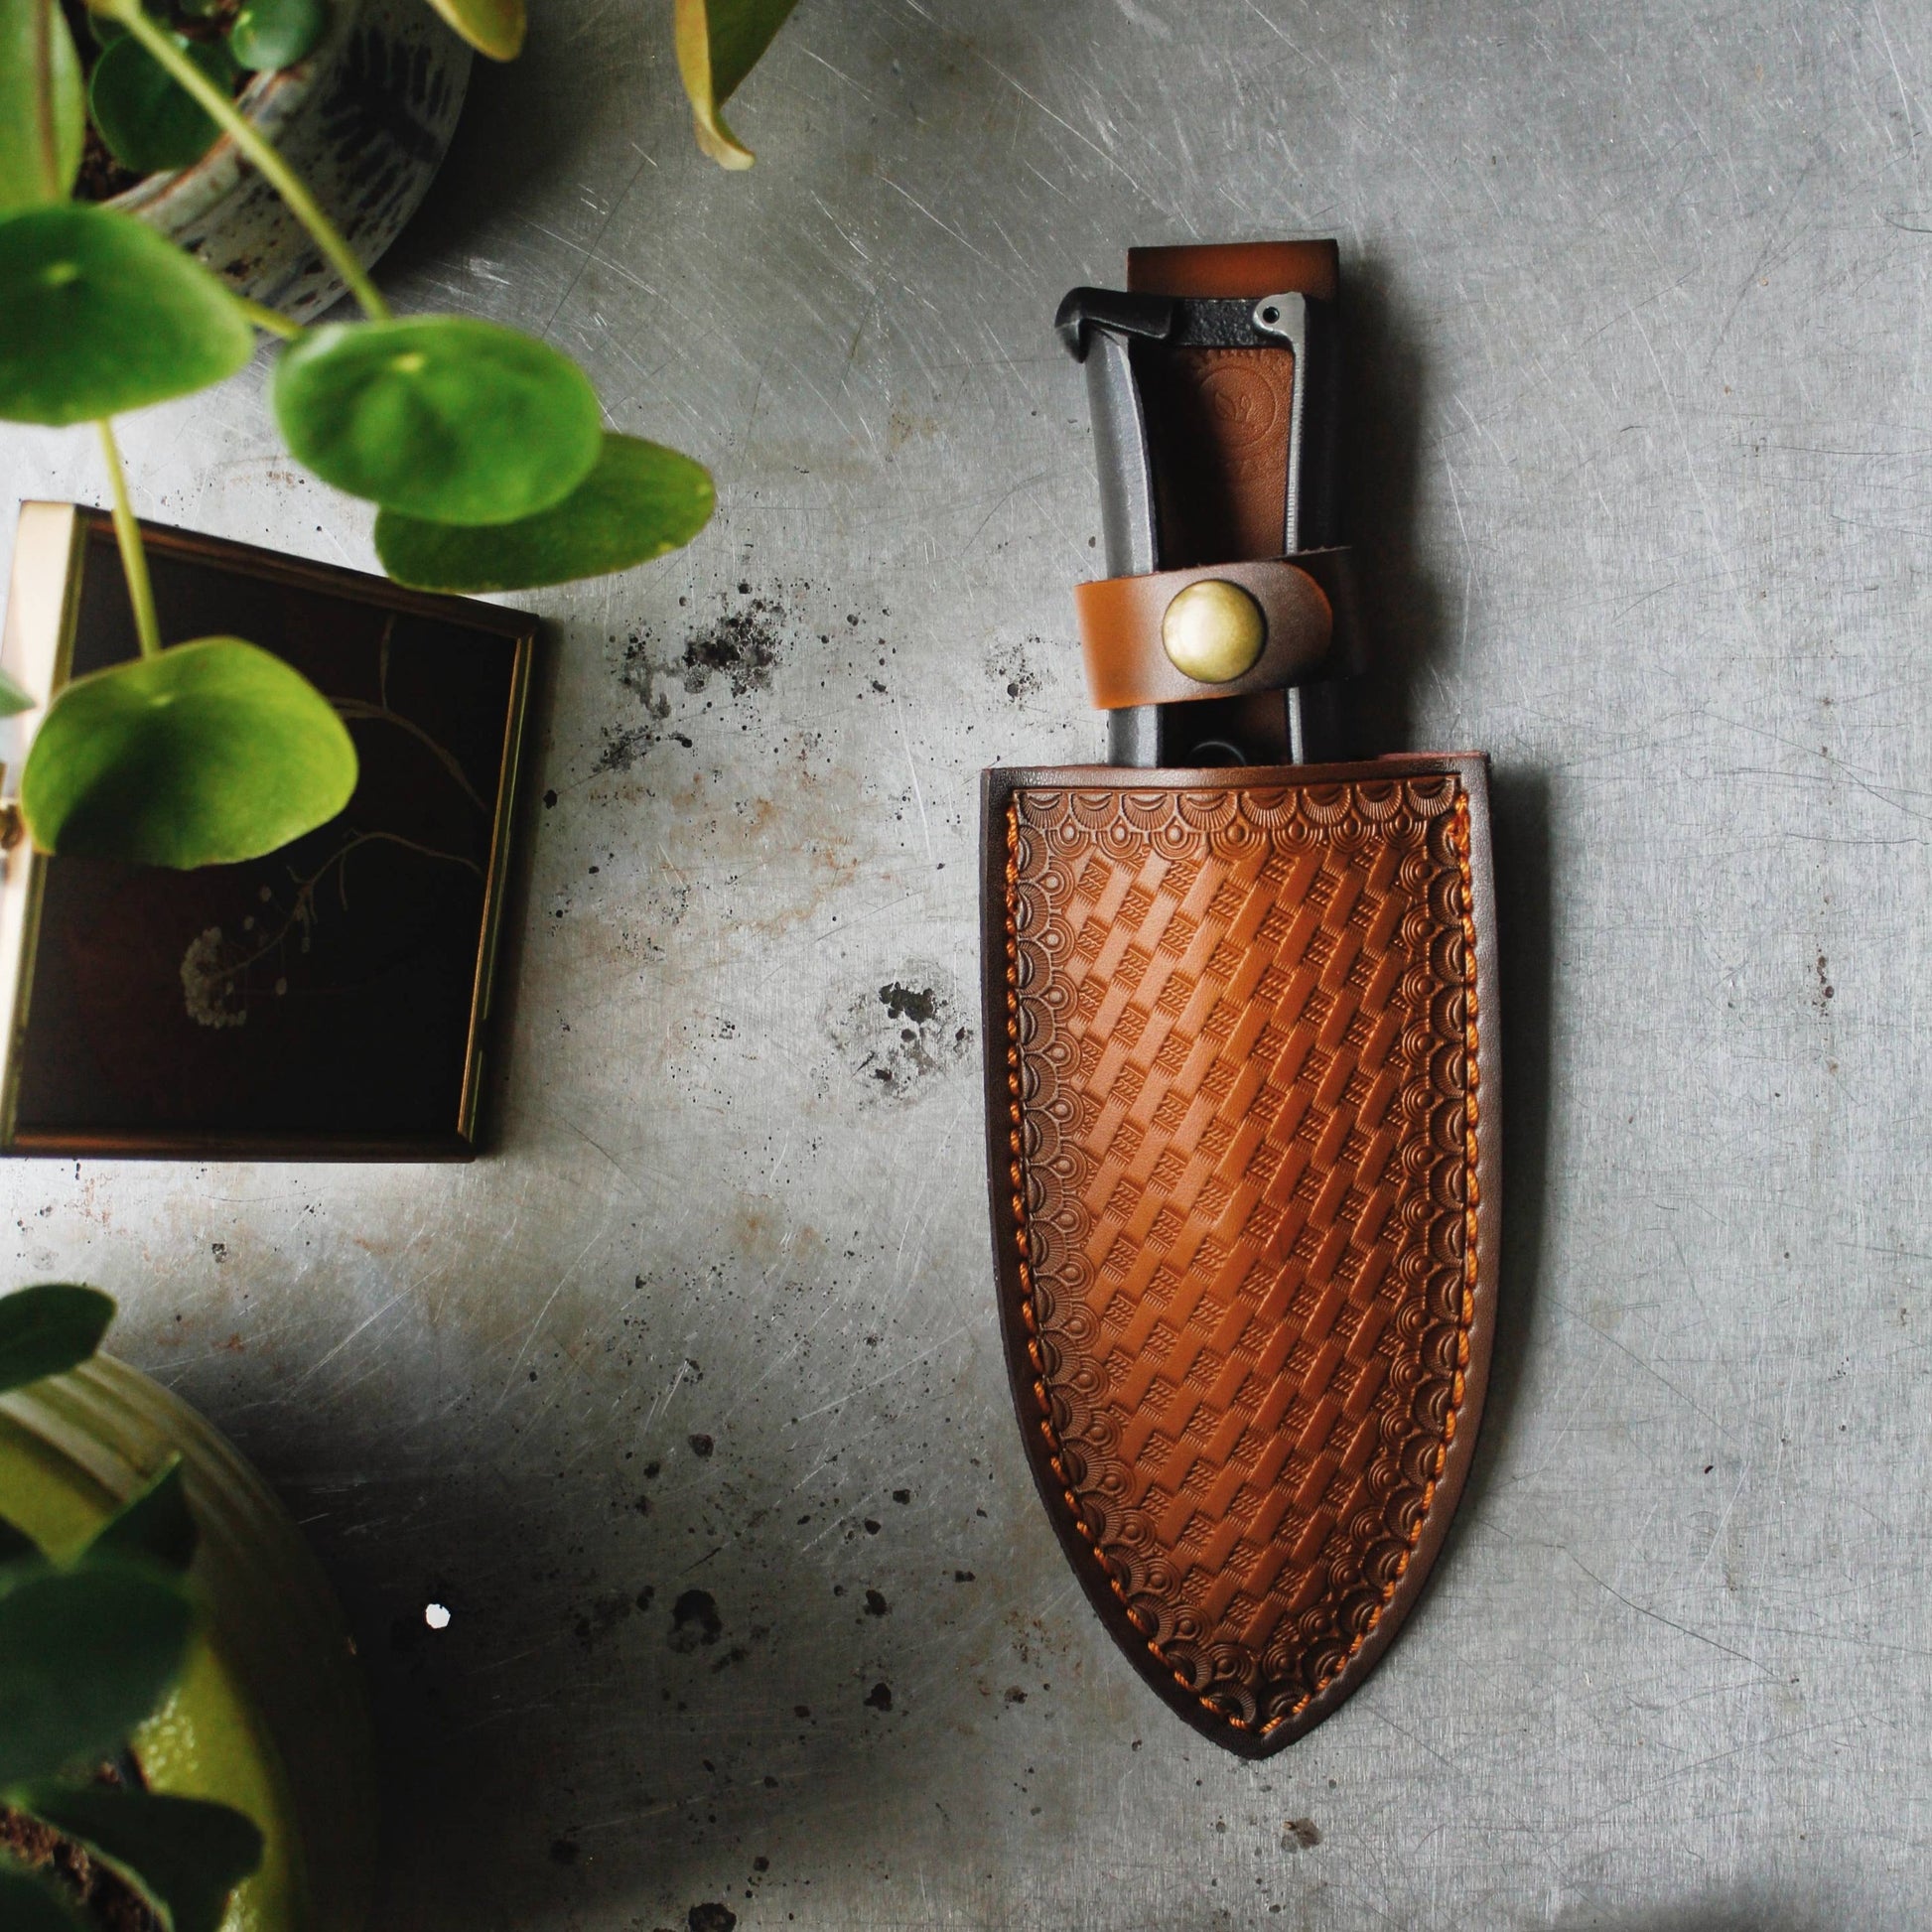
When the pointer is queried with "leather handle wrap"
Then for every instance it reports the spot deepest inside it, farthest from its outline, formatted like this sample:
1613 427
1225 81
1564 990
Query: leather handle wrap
1307 605
1214 386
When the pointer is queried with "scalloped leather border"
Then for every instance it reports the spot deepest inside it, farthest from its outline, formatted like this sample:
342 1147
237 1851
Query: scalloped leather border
1015 1242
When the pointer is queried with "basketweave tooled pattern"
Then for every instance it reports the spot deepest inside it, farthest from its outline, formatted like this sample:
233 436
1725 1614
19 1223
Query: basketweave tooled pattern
1243 1043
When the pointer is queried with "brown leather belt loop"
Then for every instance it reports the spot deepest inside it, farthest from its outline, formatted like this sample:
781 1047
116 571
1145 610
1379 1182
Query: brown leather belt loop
1307 605
1237 268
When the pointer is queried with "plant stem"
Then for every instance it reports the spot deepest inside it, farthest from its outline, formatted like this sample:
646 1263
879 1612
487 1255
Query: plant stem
44 103
127 534
254 143
271 320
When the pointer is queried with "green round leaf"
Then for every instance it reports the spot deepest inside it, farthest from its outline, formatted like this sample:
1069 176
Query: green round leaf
718 44
212 753
147 118
49 1327
154 1525
185 1854
85 1655
16 1546
99 314
640 501
439 416
276 33
492 27
14 696
23 180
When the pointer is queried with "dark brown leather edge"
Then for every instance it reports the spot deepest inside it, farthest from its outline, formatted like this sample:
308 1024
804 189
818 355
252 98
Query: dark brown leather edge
1237 268
996 790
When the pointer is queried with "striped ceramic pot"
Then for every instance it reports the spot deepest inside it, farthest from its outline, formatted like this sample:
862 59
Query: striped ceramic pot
364 120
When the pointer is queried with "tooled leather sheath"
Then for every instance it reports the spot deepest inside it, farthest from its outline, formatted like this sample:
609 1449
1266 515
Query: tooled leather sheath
1241 1077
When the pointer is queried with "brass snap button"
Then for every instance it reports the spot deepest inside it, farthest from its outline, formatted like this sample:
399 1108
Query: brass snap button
1214 631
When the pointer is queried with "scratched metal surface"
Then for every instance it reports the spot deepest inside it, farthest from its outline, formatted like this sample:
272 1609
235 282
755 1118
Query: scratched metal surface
1638 299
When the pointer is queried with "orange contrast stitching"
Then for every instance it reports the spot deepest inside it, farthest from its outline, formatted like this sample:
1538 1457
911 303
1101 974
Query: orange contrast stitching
1471 1260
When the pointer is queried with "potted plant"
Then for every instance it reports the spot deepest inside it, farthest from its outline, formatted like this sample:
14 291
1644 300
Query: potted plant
483 448
183 1731
360 97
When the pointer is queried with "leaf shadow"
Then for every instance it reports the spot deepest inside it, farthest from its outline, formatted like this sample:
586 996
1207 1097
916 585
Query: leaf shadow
1755 1907
581 1715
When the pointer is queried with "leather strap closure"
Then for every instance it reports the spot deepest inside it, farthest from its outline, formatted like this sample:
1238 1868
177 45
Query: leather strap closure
1307 606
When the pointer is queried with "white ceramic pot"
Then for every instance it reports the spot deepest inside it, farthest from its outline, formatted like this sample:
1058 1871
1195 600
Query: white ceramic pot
364 120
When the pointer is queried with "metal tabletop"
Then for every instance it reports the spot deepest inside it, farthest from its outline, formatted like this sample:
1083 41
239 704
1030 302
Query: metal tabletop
687 1402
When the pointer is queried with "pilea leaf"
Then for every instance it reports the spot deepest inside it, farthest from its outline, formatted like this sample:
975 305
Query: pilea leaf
84 1656
271 34
16 1546
23 162
212 753
14 698
492 27
98 315
48 1329
154 1524
719 43
439 416
186 1854
640 501
145 116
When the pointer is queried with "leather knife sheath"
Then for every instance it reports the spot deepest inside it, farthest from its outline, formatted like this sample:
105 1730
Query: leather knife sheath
1240 1018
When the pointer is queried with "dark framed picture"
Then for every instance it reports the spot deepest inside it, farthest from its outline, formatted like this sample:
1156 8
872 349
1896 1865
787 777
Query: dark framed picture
329 1002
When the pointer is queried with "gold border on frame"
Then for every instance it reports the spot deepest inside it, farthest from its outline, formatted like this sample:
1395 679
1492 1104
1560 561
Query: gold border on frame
53 544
